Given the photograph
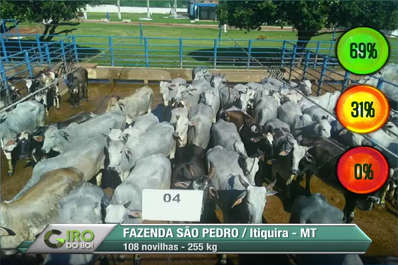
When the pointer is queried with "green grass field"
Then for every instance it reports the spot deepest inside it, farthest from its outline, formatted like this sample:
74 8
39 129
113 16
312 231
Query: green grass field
163 45
156 18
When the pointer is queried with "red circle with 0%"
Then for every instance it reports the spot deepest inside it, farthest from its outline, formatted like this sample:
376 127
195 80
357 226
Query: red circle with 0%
362 170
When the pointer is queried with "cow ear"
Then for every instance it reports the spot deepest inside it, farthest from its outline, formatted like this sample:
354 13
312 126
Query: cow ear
239 199
213 193
135 214
284 152
11 142
38 138
6 232
271 192
183 184
309 157
128 153
105 200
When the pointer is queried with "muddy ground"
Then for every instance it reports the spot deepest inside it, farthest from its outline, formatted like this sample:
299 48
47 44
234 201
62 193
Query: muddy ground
379 224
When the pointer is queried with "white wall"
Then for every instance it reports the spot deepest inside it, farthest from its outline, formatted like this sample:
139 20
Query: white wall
129 9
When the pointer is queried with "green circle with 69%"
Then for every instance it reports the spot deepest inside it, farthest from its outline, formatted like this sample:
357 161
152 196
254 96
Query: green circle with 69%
363 50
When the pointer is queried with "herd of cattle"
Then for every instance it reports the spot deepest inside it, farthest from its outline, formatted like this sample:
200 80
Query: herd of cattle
226 141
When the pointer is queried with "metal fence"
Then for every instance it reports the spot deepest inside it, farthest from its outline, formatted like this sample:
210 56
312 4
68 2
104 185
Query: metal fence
317 61
167 52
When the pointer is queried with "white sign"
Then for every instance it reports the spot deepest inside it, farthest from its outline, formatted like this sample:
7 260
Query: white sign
172 205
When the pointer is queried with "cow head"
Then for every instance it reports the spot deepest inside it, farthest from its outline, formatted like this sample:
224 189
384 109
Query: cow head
115 134
323 128
218 80
32 85
245 101
182 125
120 158
168 91
201 183
117 213
298 153
254 199
112 104
55 139
209 98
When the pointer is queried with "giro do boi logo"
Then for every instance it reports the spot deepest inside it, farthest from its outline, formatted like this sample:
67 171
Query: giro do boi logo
75 239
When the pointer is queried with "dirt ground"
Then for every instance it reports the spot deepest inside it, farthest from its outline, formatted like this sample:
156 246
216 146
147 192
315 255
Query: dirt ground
379 224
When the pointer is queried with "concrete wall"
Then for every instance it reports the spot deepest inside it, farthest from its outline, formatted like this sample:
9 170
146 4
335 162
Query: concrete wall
129 9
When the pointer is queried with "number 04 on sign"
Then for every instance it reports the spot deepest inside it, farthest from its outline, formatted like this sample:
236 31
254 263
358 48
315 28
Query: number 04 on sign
172 205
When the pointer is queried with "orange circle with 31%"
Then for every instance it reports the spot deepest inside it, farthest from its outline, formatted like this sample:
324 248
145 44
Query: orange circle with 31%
363 109
362 170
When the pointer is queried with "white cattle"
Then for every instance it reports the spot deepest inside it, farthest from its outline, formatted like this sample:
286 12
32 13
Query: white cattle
152 172
133 106
25 218
26 117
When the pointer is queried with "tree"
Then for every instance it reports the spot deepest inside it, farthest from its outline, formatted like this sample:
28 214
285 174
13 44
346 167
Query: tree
37 11
310 17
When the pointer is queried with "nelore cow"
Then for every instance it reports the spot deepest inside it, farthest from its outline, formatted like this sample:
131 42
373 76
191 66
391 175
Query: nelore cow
30 144
26 217
152 172
239 199
81 206
88 158
26 117
75 134
133 106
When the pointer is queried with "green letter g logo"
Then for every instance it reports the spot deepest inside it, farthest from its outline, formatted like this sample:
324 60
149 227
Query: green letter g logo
47 236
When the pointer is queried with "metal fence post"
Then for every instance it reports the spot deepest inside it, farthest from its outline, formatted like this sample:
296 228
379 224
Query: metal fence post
27 59
4 78
307 60
3 46
48 55
283 54
318 46
249 51
75 48
180 45
380 83
293 61
111 50
146 51
331 43
215 54
39 47
323 71
141 34
63 56
346 79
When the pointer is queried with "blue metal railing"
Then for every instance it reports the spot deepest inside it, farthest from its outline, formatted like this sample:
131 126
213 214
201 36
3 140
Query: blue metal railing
317 61
23 64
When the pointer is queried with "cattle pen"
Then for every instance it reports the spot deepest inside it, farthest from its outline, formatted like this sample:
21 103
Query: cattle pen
121 64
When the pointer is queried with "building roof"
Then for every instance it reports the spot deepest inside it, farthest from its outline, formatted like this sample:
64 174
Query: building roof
206 4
